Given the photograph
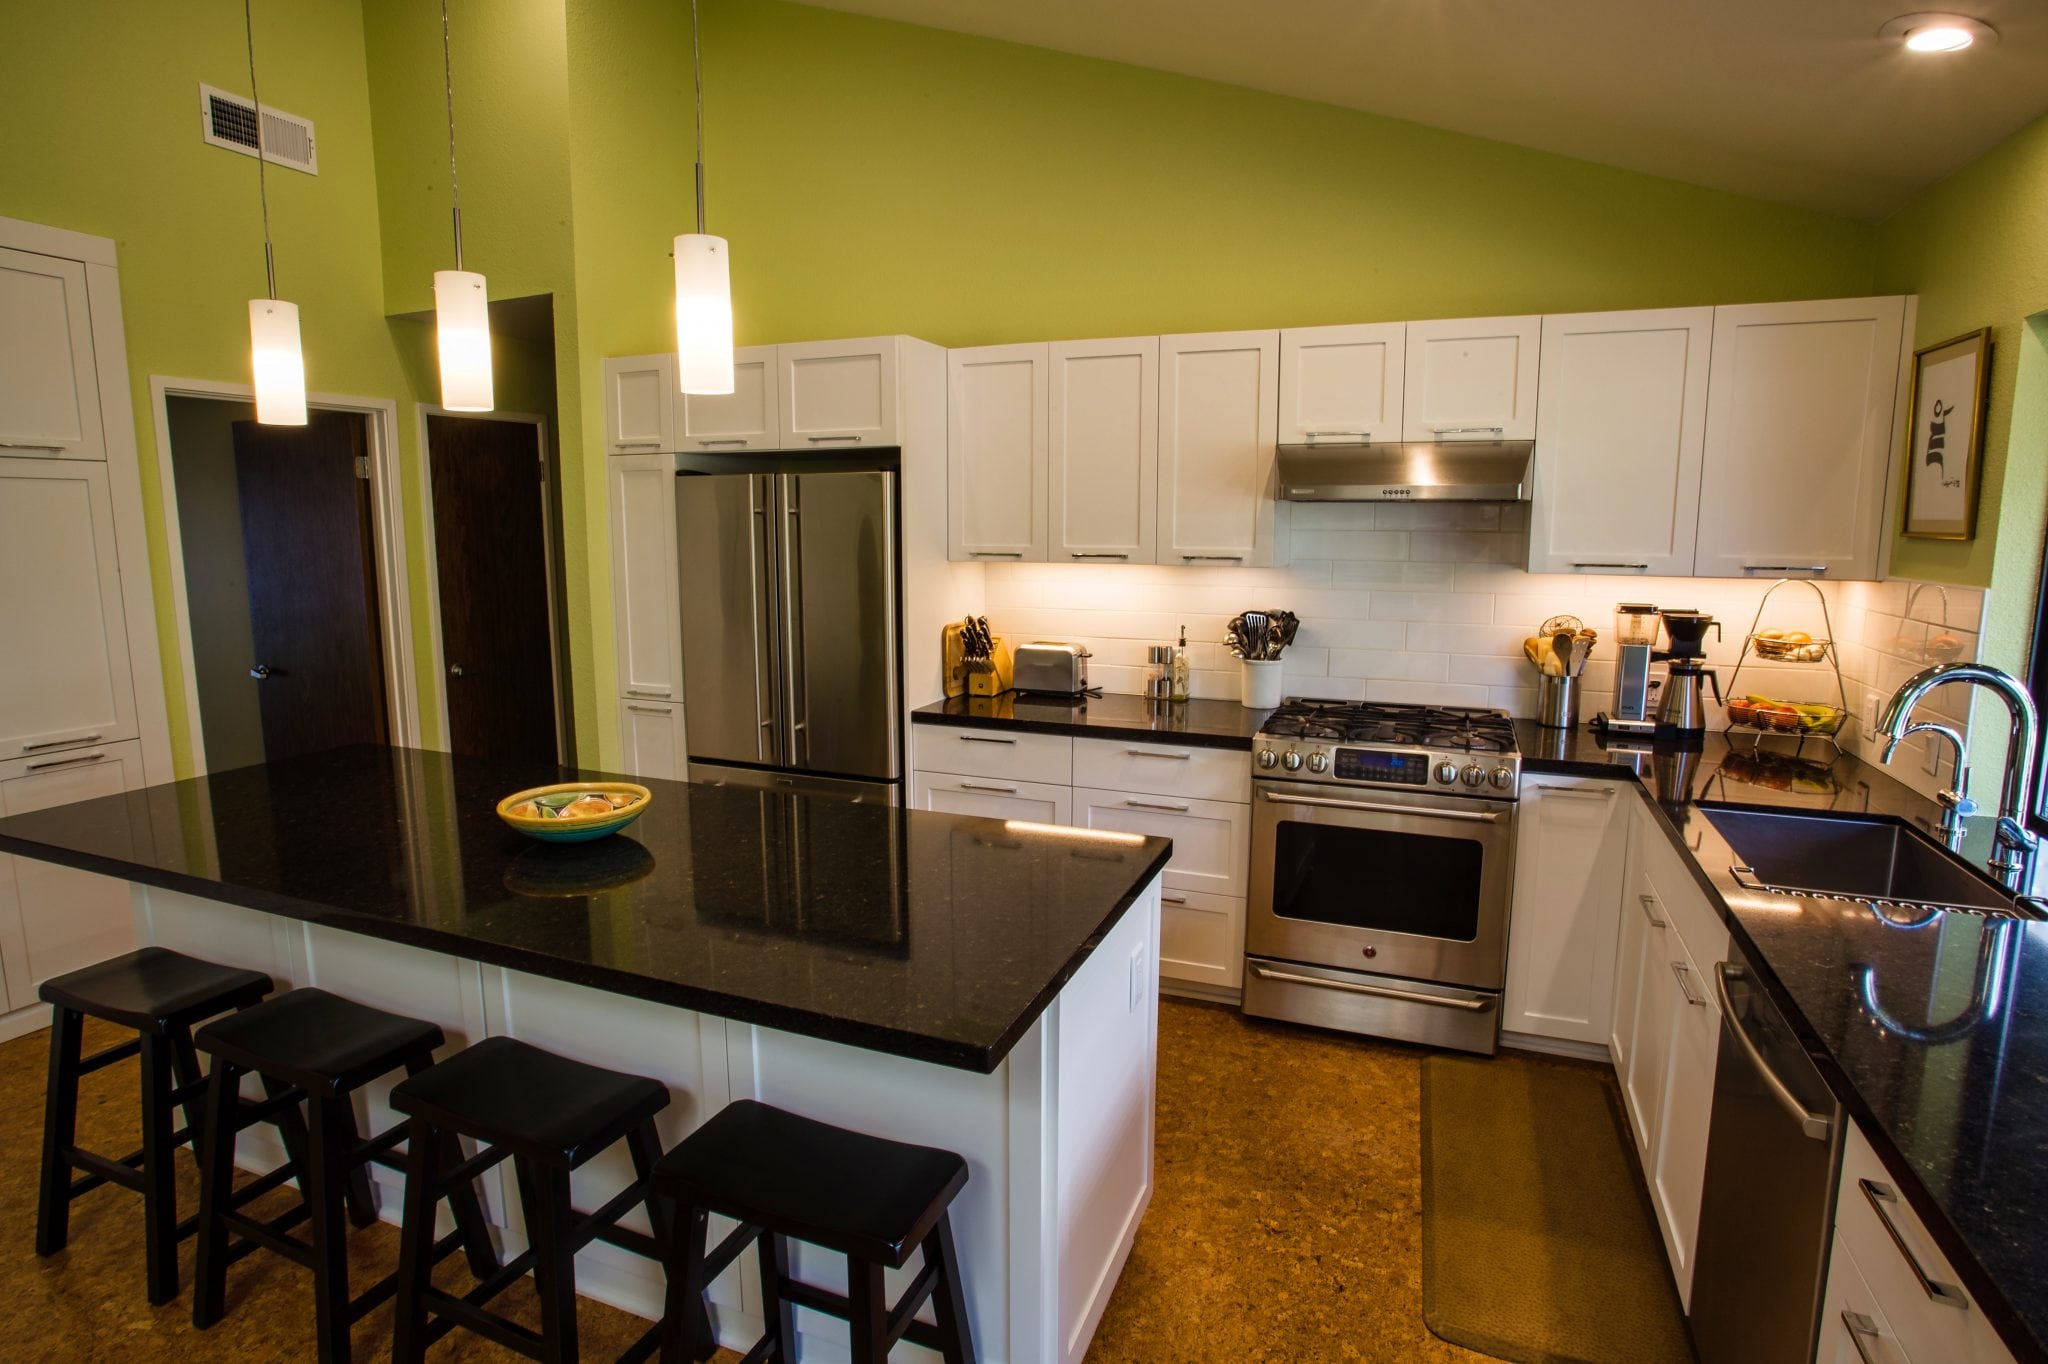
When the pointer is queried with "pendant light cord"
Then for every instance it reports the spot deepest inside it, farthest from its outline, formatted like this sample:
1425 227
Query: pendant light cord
262 183
448 88
697 71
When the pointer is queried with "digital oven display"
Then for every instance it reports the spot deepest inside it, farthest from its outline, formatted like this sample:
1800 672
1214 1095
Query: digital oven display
1368 764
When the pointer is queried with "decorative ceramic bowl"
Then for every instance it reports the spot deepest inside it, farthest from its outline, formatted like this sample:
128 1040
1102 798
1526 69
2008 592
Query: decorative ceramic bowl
575 812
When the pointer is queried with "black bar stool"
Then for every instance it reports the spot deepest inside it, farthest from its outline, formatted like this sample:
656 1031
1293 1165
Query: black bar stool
160 994
550 1115
783 1176
312 1049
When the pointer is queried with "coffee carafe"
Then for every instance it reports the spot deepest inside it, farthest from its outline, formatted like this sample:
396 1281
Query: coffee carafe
1683 715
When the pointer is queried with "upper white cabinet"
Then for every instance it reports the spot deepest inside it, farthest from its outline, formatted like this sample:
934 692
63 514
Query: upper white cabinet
1621 424
996 452
1217 397
1472 378
1799 438
744 419
49 386
648 629
640 404
837 393
1571 855
1342 383
1103 450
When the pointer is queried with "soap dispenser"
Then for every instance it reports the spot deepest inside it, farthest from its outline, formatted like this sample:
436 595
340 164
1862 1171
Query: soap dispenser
1177 689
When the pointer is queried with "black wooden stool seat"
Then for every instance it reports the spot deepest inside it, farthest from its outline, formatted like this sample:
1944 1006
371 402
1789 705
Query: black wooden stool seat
160 994
784 1176
549 1115
315 1049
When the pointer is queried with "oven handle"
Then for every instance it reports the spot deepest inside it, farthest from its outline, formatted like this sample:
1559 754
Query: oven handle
1371 807
1383 991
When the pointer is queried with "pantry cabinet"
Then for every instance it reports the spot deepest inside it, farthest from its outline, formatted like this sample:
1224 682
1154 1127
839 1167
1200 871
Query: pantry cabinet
1217 454
648 622
49 379
1620 432
651 738
1472 378
744 419
838 393
1571 853
639 404
1102 451
1342 383
996 414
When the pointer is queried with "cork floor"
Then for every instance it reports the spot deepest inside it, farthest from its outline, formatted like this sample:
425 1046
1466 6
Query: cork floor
1286 1223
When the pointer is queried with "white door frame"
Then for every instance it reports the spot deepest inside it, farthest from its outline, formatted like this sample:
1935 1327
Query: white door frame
432 562
387 517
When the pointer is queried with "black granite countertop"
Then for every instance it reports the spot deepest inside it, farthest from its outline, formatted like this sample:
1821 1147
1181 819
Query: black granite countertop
936 937
1199 723
1934 1036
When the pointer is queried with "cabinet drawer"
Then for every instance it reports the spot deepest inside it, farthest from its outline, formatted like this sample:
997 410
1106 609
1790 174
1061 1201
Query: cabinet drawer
1951 1327
1201 938
1013 753
1163 769
1680 901
1039 802
1853 1329
1211 838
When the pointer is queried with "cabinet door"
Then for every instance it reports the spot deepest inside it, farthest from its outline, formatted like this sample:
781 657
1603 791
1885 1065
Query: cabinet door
1217 395
647 626
838 393
1571 855
1639 920
1103 451
651 733
996 452
1342 383
1211 838
1649 1049
744 419
49 384
1036 802
1621 421
63 637
1472 378
1853 1329
1201 938
1678 1168
640 404
1799 438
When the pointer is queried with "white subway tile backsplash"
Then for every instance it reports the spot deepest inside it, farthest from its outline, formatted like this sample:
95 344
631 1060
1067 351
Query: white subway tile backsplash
1428 577
1392 665
1438 516
1473 608
1352 544
1354 634
1468 547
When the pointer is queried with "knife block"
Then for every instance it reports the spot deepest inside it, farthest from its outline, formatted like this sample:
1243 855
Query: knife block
960 682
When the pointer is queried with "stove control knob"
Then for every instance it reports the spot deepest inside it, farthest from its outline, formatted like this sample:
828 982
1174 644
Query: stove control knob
1446 773
1473 775
1291 760
1502 778
1268 759
1318 762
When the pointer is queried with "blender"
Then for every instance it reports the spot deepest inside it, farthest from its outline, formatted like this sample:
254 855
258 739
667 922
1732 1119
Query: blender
1635 634
1683 715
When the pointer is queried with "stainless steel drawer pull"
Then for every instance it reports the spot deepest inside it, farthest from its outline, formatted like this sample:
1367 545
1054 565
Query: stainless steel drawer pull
1578 564
997 553
1317 435
1881 1194
1154 753
636 445
820 440
982 739
1681 970
59 743
1784 568
1373 807
724 440
1173 899
1861 1328
1157 805
647 710
651 695
64 762
1648 912
1213 558
1469 430
1591 793
1098 556
1382 991
979 786
23 445
1819 1126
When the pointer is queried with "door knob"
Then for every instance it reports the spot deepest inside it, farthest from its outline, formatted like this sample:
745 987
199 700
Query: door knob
455 670
260 671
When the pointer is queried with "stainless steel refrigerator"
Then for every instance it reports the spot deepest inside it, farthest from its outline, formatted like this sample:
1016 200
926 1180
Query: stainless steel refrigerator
792 664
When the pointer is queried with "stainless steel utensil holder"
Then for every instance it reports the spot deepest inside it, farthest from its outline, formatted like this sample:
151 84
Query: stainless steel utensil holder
1557 701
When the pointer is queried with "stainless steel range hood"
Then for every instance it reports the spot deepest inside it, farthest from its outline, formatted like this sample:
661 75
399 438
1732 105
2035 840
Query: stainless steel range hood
1414 471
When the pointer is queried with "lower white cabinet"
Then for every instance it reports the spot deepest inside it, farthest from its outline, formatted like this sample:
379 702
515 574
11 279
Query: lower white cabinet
1852 1325
651 736
1678 1165
991 797
1201 938
1211 838
1571 855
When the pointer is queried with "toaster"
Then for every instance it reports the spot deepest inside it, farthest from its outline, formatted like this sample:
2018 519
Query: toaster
1052 668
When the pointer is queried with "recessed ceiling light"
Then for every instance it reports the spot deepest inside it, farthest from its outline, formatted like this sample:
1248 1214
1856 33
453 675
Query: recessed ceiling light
1937 32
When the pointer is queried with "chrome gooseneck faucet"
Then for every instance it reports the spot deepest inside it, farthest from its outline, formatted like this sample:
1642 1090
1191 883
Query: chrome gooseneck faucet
2013 845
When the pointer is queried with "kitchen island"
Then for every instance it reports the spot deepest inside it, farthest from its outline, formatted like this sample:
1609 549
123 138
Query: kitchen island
965 983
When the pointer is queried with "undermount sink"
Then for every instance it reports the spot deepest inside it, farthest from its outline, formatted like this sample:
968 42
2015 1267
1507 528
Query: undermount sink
1860 858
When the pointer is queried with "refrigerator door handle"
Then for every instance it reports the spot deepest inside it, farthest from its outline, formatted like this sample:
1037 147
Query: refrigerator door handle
795 681
760 493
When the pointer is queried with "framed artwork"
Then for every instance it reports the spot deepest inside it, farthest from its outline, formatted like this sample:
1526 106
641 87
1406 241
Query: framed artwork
1951 381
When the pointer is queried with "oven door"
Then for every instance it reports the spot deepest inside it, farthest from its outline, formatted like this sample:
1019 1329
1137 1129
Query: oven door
1381 881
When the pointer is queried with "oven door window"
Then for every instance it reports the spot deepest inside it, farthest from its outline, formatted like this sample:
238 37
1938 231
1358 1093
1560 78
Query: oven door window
1374 879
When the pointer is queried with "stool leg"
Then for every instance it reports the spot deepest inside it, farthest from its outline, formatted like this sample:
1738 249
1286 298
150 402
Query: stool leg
159 1173
463 1203
416 1243
545 1195
644 1144
185 1063
60 1130
362 1203
775 1308
216 1147
685 1325
868 1311
949 1295
323 1182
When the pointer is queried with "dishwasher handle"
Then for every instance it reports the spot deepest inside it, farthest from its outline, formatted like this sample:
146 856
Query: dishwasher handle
1819 1126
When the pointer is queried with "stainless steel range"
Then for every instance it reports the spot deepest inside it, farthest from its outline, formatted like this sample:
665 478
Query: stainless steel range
1382 863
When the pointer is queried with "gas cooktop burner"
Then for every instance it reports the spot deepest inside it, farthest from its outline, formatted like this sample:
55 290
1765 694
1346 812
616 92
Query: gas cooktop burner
1463 729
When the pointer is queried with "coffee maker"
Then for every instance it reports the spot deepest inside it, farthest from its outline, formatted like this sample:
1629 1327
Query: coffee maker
1635 690
1683 716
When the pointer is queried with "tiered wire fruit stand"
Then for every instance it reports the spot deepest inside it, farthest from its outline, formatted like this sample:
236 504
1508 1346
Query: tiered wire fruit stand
1761 717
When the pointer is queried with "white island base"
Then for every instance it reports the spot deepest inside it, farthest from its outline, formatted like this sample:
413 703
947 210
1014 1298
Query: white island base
1058 1140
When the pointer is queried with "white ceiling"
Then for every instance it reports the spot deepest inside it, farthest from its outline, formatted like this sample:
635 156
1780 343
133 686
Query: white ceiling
1791 100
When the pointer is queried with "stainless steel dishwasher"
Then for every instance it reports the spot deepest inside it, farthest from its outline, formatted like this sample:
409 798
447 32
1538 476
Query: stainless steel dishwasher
1774 1149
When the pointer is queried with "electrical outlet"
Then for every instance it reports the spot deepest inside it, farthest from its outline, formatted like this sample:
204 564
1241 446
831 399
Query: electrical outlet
1139 980
1873 706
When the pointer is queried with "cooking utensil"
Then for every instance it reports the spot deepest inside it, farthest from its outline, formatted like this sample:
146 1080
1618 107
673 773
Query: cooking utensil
1563 621
1561 646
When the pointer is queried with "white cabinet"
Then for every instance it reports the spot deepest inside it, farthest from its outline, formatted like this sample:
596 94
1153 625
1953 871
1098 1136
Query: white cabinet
996 452
1342 383
1217 395
1799 438
991 797
1004 754
64 664
744 419
1472 378
837 393
651 736
1620 426
49 379
640 404
1678 1166
1163 769
648 624
1201 939
1102 451
1571 854
1211 838
1853 1329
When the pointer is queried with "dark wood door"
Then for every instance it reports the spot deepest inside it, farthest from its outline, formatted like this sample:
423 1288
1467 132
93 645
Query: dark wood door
490 546
307 546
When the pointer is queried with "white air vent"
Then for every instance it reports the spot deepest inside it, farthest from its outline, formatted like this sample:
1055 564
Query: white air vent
229 121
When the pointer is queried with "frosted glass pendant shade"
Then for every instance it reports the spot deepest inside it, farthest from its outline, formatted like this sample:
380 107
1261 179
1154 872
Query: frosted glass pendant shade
462 319
703 314
278 365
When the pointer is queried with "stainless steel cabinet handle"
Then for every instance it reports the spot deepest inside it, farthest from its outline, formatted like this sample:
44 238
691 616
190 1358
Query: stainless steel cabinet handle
1384 992
1861 1328
982 739
1098 556
23 445
1881 1194
1154 753
997 553
1815 1125
978 786
1315 435
655 695
647 710
636 445
1213 558
59 743
1784 568
48 763
1681 970
1578 564
820 440
1373 807
1591 793
1648 913
1173 899
1467 430
724 440
1157 805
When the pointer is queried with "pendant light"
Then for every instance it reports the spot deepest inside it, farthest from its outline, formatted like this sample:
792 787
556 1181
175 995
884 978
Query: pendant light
703 280
462 306
276 363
